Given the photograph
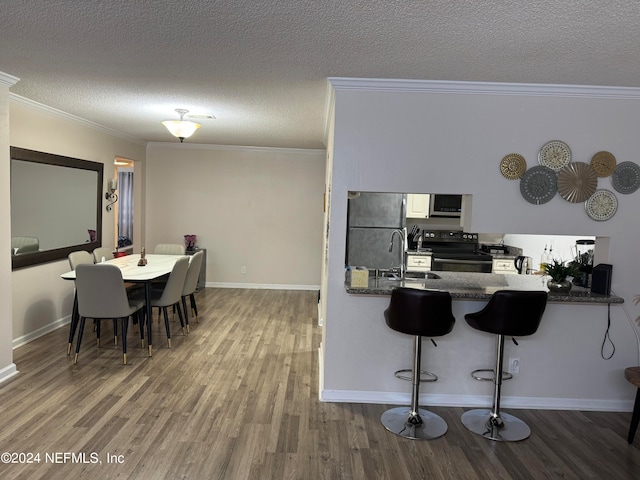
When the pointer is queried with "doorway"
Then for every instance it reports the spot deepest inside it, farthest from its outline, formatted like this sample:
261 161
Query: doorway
124 173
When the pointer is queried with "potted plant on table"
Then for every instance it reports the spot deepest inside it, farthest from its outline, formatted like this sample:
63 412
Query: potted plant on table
559 271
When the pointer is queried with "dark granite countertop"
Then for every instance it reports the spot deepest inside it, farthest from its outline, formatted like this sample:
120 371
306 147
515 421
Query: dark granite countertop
423 253
480 286
503 255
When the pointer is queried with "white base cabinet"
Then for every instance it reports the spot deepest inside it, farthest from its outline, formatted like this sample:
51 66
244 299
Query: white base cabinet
504 265
418 263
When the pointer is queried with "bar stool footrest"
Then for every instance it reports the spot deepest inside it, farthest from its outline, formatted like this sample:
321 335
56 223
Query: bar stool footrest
430 377
477 375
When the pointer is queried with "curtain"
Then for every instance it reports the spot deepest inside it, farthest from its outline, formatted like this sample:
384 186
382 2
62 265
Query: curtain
125 205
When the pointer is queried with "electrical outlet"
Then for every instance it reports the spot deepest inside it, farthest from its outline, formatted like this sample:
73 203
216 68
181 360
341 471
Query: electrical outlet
243 269
514 365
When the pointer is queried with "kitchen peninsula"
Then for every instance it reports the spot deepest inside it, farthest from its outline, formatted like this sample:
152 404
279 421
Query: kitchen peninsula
558 365
480 286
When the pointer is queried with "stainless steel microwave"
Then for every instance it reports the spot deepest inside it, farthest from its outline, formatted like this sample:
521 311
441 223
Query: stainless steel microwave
445 205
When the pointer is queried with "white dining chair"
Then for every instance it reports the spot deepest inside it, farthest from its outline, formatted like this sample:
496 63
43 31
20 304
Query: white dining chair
102 295
170 294
24 245
169 249
190 285
80 257
102 252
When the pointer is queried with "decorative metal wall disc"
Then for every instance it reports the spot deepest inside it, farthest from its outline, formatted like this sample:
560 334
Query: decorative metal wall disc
577 182
602 205
626 177
513 166
554 154
539 185
603 163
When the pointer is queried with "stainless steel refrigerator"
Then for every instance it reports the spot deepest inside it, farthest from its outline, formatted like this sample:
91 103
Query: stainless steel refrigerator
372 217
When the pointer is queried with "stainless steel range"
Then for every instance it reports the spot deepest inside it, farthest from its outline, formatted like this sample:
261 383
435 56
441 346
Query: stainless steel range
454 251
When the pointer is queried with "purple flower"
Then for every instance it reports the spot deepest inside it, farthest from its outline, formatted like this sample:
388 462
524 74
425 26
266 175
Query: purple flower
190 241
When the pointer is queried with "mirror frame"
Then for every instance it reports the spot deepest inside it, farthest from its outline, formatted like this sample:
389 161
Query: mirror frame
46 256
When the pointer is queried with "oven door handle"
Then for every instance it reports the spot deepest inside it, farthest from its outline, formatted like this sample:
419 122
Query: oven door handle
454 260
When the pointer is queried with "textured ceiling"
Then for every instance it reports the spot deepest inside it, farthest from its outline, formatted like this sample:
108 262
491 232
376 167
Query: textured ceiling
260 67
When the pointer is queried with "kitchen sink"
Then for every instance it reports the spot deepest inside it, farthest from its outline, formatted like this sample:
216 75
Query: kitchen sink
387 273
422 275
394 275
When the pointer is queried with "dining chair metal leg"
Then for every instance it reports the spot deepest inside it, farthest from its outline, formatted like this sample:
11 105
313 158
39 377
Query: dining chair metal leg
80 332
194 307
186 312
166 325
181 317
74 324
142 318
125 322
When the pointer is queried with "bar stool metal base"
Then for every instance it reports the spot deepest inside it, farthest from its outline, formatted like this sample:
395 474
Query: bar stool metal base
425 426
505 428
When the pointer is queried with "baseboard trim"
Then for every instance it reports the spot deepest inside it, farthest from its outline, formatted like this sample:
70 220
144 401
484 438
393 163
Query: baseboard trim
261 286
475 401
7 372
30 337
320 371
320 319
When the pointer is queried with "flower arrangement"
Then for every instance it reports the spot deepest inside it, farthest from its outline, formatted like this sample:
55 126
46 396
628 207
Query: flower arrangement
190 242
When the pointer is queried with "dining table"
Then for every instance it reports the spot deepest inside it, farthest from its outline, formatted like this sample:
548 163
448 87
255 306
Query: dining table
155 268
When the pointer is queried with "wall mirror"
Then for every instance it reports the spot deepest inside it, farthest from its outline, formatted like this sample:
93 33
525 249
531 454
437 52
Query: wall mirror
55 206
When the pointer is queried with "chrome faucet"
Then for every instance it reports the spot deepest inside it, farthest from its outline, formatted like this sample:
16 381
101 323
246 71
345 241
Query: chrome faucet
403 236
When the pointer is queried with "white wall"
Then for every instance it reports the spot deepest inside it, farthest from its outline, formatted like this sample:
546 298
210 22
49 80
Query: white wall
259 208
427 137
41 299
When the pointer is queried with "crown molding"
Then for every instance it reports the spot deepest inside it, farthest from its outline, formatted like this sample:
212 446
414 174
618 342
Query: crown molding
329 110
483 88
206 146
67 116
8 80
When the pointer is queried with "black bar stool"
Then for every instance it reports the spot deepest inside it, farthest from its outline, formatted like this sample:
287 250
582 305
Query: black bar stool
516 314
421 313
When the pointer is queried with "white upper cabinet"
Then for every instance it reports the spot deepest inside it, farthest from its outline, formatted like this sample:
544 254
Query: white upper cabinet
417 205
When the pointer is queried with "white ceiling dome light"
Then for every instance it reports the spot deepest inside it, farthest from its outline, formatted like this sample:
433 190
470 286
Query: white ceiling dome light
181 128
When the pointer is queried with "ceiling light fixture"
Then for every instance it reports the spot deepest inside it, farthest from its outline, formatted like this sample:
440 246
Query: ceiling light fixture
181 128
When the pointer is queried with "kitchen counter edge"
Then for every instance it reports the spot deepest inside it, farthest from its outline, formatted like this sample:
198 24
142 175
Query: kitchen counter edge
470 287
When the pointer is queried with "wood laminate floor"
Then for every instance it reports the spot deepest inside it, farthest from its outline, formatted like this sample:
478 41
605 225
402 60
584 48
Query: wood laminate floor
238 399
